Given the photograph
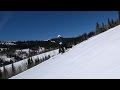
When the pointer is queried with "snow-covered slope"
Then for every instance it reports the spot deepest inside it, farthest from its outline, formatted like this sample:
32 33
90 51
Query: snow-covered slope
22 65
95 58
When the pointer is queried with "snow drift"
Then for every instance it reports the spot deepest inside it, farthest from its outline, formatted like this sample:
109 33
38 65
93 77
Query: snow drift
95 58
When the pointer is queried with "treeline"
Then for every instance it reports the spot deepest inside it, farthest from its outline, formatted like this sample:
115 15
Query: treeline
30 44
34 49
32 63
99 29
13 70
19 56
104 27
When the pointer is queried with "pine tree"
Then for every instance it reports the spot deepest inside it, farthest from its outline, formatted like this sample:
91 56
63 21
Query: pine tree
35 62
97 28
29 63
112 23
38 60
20 69
0 74
43 59
5 74
48 56
13 70
109 24
32 63
103 27
116 22
85 35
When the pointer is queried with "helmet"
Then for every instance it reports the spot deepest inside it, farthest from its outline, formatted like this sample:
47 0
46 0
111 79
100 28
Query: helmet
59 35
60 43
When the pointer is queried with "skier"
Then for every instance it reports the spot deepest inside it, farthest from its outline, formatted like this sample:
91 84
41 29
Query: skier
61 44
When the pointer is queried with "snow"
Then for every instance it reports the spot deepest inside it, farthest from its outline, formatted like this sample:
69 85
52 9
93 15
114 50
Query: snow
7 43
5 58
3 49
23 50
95 58
22 65
27 50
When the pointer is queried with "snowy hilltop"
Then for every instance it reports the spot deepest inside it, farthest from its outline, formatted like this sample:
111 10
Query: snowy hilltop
96 58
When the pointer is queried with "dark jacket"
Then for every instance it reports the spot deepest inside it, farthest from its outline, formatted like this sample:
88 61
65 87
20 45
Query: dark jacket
62 40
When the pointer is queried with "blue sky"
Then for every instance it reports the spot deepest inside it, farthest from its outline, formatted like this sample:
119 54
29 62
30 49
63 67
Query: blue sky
42 25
